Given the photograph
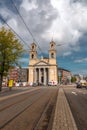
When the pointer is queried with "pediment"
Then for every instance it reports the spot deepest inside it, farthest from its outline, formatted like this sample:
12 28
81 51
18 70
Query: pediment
41 63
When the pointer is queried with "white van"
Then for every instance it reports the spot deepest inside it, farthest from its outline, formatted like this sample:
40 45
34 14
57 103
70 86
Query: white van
52 83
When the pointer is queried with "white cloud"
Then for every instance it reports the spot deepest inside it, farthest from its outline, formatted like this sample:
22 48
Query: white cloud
83 60
12 22
81 72
71 23
67 53
28 5
63 20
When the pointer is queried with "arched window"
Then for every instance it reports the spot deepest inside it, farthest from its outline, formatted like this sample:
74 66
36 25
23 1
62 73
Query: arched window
32 47
51 45
32 56
52 55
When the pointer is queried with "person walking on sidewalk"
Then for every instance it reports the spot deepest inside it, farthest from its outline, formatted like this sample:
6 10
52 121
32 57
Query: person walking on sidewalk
10 84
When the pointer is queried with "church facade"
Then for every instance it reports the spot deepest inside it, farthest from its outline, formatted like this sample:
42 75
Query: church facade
43 70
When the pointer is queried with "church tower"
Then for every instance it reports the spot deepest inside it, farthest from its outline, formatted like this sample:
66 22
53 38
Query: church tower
33 60
33 53
53 69
52 53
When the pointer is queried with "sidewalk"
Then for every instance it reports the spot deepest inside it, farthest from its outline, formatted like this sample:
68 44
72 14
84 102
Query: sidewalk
63 119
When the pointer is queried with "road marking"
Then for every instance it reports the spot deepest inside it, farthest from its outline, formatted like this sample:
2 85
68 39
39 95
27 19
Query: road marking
74 93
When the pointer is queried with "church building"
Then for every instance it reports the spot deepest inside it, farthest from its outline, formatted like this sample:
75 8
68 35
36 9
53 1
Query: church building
43 70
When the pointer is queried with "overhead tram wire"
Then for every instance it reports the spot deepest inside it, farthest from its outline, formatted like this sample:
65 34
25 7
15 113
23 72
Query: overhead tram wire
27 26
22 19
3 20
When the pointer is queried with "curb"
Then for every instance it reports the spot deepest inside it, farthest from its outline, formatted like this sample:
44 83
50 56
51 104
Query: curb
63 118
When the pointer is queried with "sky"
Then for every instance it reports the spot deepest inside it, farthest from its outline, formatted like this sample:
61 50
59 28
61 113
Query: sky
63 21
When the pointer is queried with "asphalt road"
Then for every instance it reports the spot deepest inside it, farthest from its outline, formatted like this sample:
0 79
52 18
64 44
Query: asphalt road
30 109
77 99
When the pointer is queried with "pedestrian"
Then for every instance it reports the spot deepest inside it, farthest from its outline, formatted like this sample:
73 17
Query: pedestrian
10 84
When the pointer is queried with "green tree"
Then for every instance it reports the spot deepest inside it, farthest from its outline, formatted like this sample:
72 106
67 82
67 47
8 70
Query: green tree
73 79
11 50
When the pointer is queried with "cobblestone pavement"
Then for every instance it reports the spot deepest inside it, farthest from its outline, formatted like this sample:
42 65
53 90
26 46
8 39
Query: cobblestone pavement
63 119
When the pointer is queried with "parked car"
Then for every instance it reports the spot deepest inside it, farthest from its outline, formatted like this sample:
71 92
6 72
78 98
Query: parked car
4 84
49 83
81 84
78 84
34 84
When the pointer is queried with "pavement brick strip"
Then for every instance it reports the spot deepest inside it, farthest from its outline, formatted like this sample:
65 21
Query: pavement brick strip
63 119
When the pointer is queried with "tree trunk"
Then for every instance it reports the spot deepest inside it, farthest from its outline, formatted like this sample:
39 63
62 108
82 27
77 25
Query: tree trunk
2 72
1 79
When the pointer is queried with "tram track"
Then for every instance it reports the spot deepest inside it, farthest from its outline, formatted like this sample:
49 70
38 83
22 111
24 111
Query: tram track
42 102
16 102
3 124
43 122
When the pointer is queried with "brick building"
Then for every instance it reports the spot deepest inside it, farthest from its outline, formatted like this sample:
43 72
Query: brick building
64 75
14 74
19 74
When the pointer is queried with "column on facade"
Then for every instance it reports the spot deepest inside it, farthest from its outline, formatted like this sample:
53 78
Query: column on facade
35 75
47 79
39 75
45 76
